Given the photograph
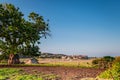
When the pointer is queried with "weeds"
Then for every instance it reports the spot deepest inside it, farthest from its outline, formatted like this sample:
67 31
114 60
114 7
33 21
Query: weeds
16 74
112 73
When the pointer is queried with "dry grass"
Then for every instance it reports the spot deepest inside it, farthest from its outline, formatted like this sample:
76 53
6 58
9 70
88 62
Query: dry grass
64 62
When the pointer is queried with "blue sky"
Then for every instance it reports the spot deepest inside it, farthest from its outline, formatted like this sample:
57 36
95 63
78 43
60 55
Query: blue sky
88 27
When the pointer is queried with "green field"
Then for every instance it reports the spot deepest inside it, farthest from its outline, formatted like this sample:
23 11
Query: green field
19 74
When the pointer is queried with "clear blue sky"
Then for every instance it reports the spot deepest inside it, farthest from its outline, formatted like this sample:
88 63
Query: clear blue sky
88 27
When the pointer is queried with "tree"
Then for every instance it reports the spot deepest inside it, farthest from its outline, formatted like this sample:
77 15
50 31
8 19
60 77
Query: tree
31 51
17 33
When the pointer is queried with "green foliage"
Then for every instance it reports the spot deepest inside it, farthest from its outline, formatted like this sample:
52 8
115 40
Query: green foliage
113 73
96 61
117 59
108 58
28 77
6 72
18 74
31 51
104 62
3 57
16 33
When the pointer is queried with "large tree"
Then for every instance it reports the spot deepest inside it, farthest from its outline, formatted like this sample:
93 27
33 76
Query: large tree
17 33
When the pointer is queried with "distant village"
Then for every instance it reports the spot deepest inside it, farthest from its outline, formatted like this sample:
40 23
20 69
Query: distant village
62 56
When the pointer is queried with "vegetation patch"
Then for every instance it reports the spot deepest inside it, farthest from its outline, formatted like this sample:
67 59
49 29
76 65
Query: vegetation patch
112 73
104 63
19 74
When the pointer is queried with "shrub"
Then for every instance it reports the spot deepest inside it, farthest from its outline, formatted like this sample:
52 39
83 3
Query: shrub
112 73
117 59
104 62
108 58
95 61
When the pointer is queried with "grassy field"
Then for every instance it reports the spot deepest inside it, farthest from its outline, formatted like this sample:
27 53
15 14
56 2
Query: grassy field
19 74
58 62
62 62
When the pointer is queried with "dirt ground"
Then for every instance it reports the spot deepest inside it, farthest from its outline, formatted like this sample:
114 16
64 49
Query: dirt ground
66 73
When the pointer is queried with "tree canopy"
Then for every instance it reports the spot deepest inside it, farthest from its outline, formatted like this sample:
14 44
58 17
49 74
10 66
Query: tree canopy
17 33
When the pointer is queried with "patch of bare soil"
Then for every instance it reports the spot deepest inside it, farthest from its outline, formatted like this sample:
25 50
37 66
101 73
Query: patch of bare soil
66 73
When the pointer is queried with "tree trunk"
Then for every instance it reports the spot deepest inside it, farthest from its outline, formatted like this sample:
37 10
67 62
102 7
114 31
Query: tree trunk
13 59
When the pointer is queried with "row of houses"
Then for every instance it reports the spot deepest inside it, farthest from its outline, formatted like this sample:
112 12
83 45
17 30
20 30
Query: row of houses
75 57
62 56
50 55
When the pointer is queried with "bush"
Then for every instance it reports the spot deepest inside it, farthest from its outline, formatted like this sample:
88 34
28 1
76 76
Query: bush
117 59
96 61
112 73
108 58
104 62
